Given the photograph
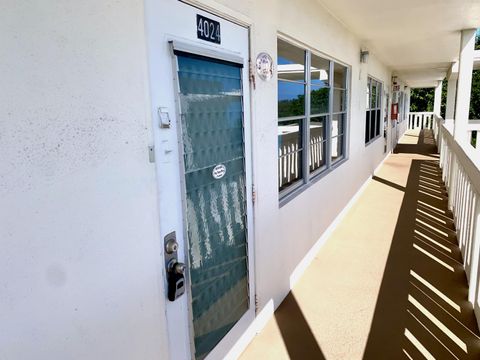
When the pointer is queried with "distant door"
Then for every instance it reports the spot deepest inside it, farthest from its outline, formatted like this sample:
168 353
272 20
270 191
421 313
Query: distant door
385 122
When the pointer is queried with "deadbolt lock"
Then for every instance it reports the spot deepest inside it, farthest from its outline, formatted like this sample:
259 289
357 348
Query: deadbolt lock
171 246
176 281
174 269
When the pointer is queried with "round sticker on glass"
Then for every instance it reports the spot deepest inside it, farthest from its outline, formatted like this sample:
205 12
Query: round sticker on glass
219 171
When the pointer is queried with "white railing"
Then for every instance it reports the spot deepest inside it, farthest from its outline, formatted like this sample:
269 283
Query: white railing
289 161
461 175
420 120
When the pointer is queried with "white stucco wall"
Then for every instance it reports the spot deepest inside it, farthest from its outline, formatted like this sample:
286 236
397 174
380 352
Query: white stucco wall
79 265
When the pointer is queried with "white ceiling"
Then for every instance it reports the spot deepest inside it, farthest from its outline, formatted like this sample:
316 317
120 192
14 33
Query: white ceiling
417 39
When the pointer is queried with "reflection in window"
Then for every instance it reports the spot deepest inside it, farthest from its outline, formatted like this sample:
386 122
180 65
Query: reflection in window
340 76
373 112
339 100
373 97
319 100
291 98
291 62
338 131
311 125
337 148
319 71
290 159
338 122
317 144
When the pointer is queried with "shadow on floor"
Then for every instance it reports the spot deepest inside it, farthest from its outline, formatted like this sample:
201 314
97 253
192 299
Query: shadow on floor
296 333
422 309
425 146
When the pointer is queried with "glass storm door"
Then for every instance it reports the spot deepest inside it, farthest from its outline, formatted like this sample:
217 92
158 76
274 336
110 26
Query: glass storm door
212 133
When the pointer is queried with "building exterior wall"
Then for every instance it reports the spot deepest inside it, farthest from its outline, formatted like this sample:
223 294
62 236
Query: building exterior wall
285 234
79 266
81 261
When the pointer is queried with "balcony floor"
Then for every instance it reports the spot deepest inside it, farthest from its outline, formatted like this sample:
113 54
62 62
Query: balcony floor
389 282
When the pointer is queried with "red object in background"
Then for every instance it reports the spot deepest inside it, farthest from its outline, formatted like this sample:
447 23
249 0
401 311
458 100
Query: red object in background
394 112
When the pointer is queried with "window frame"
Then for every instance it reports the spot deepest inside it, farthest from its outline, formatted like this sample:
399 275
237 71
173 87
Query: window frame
308 178
378 107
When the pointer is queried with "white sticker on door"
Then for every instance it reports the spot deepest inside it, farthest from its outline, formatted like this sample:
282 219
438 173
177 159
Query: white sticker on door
219 171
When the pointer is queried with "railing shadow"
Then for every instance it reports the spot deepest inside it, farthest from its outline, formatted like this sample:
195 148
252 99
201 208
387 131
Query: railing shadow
425 146
296 333
422 309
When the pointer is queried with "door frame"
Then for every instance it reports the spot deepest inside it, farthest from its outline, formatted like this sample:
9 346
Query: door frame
167 158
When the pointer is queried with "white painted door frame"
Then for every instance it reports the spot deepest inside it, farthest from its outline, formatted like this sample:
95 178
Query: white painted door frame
168 20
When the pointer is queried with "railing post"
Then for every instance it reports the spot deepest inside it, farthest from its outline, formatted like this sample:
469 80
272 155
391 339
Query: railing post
465 68
438 99
452 180
451 91
473 273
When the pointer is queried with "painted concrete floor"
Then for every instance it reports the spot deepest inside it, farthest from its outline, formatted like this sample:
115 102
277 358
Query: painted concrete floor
389 282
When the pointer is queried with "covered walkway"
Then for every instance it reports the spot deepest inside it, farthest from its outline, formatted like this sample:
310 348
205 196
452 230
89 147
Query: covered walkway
389 282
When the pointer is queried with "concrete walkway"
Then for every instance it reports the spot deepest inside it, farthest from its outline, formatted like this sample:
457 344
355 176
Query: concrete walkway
389 283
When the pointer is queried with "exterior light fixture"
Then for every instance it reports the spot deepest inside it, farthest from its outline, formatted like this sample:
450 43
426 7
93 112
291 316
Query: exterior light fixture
364 56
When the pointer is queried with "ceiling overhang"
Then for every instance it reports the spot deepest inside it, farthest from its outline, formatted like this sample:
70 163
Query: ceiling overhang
417 40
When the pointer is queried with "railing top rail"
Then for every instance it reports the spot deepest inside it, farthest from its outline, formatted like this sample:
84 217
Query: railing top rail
465 154
473 125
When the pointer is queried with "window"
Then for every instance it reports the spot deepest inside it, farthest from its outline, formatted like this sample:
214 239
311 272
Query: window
312 115
373 113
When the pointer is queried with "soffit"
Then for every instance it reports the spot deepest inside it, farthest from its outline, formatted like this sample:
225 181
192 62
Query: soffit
417 39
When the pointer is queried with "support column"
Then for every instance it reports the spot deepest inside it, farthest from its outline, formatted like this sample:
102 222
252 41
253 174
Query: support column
437 103
408 93
465 68
452 77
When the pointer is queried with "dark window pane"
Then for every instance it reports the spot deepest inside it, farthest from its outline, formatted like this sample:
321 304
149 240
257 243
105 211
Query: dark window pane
338 124
319 99
291 99
317 143
319 71
291 62
339 76
289 152
337 147
339 100
377 128
372 124
367 126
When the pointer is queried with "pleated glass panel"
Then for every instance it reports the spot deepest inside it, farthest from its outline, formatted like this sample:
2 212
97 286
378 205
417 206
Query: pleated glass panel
213 143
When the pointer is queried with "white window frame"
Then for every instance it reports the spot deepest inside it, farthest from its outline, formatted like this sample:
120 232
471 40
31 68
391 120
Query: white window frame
379 102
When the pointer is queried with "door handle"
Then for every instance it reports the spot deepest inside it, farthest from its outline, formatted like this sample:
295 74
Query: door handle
174 269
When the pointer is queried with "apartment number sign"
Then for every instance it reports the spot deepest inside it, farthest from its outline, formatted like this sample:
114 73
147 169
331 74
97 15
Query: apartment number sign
208 29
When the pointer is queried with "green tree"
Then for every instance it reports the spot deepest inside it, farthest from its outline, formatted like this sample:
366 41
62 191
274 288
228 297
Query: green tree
421 99
475 96
443 109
